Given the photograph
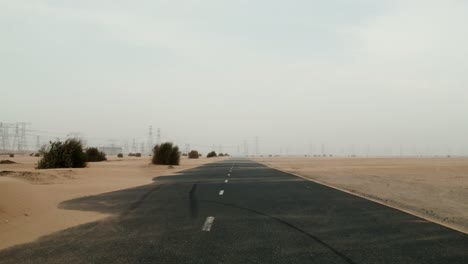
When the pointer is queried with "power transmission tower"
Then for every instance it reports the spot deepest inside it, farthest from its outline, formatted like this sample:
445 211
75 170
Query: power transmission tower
16 141
256 146
126 148
24 143
4 136
246 148
142 147
159 137
134 147
38 143
220 149
187 148
150 139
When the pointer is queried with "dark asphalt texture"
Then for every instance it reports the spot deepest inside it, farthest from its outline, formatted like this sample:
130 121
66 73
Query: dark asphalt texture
264 216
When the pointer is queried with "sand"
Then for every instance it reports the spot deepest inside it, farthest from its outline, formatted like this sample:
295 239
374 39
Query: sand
435 189
29 198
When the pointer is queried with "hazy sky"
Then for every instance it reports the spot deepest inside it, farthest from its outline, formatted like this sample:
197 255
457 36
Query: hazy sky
372 73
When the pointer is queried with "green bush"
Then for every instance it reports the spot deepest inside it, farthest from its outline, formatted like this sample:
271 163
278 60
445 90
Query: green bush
221 155
193 154
68 154
120 155
94 155
166 154
211 154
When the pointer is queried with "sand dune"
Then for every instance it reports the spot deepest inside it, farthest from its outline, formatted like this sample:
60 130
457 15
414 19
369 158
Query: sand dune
432 188
29 197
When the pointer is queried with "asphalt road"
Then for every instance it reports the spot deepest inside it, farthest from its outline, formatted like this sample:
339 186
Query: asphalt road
260 215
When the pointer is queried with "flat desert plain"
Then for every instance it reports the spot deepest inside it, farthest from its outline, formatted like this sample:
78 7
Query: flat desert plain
29 198
435 189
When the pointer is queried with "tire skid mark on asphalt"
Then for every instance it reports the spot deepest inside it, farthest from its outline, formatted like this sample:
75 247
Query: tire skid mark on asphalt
193 201
137 203
316 239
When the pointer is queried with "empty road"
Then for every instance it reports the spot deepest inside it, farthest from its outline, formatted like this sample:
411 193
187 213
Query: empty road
239 211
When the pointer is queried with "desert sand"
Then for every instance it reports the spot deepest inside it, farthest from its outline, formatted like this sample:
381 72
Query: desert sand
435 189
29 198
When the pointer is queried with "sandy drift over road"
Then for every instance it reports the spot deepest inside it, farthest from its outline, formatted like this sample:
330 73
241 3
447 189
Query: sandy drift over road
432 188
29 197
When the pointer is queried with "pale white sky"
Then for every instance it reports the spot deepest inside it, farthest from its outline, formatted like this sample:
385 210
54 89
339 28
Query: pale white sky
372 73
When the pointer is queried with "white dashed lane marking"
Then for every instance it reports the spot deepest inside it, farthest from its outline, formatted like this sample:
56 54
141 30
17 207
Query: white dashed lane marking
208 223
221 192
226 180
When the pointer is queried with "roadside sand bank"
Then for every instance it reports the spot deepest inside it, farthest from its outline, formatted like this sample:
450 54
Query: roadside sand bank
433 188
29 197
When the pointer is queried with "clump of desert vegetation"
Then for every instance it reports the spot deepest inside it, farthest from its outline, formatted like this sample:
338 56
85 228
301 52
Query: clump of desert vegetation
166 154
12 155
211 154
7 162
58 154
131 154
120 155
138 155
94 155
193 154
